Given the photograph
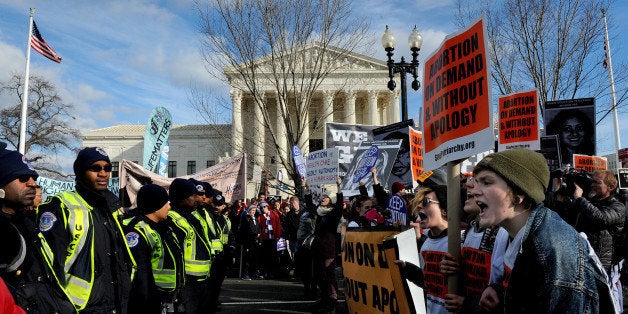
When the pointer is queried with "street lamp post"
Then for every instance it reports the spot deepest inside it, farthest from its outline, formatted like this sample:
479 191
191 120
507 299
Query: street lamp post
414 41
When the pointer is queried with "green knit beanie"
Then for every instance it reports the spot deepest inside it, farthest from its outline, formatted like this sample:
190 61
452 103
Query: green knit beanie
524 168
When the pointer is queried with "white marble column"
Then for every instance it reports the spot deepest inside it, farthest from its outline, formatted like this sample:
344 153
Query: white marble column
350 107
259 134
394 115
281 131
372 108
328 105
236 123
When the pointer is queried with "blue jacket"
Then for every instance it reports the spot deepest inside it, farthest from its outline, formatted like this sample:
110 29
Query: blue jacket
553 272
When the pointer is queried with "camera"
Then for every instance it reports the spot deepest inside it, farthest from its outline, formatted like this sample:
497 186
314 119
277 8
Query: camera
569 177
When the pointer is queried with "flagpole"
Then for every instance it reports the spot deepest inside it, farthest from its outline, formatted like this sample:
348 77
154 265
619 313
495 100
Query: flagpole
612 79
22 144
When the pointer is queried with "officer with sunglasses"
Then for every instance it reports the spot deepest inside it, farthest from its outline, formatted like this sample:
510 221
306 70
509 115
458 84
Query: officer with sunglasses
22 267
87 247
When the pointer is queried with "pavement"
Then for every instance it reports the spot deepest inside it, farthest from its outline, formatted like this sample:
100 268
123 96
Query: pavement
271 296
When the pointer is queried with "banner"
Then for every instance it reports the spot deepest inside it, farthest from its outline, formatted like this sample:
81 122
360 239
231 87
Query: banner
589 163
347 138
518 121
416 153
322 167
228 176
157 132
400 171
573 121
163 160
51 187
387 151
457 104
367 281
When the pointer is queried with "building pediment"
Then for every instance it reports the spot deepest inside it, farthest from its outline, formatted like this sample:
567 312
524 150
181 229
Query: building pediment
337 59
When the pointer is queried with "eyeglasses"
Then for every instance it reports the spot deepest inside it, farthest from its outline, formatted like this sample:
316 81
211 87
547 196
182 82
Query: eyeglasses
25 177
427 201
99 168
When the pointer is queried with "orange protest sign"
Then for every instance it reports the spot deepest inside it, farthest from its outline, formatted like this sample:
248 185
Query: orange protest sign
456 99
518 121
589 163
416 153
367 281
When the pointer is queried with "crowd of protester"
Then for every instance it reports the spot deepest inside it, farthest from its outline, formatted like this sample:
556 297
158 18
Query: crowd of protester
528 245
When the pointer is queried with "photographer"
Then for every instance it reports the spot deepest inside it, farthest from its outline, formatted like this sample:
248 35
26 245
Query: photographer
600 216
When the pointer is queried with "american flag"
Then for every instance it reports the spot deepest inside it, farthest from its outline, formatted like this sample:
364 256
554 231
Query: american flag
40 45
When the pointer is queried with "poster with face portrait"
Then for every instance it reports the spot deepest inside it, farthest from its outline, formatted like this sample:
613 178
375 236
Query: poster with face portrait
573 121
400 171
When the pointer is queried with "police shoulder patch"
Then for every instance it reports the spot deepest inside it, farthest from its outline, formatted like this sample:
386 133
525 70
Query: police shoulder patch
47 221
132 238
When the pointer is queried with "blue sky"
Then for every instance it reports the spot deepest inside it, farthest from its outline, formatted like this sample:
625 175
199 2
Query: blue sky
121 58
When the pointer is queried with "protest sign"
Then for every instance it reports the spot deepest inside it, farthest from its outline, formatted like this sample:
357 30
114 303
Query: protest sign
299 161
366 162
387 151
457 109
623 178
518 121
403 246
416 153
589 163
347 138
322 167
367 281
400 171
573 120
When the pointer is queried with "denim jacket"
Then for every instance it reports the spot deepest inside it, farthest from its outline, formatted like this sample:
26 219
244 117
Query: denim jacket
553 272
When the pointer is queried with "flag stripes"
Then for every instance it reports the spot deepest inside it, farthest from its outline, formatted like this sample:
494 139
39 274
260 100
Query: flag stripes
39 44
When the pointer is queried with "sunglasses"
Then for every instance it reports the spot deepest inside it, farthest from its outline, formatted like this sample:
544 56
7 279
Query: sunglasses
427 201
99 168
25 177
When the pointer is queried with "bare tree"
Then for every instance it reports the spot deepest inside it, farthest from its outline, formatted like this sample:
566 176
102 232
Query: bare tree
47 128
555 46
287 46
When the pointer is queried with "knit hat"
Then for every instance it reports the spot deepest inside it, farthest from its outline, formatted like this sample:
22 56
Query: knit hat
435 177
397 186
86 157
262 204
151 198
218 200
200 187
13 165
524 168
181 189
209 190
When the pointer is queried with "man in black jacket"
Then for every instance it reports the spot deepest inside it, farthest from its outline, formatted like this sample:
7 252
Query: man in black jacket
600 216
90 255
21 266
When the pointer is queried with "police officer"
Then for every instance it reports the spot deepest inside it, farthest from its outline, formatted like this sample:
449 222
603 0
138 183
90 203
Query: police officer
22 268
159 257
221 238
86 242
190 229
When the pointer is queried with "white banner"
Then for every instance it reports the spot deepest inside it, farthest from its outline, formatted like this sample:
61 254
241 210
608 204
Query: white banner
228 176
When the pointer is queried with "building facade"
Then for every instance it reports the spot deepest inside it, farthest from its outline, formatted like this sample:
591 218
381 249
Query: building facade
192 147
